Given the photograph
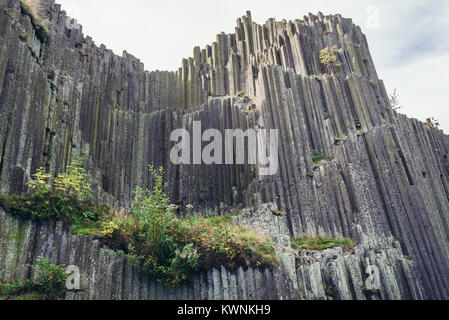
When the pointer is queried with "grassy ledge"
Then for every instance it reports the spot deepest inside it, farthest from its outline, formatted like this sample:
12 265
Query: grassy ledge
152 237
319 244
32 8
319 159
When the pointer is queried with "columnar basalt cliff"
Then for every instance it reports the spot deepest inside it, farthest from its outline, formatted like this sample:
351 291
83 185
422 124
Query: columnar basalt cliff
385 185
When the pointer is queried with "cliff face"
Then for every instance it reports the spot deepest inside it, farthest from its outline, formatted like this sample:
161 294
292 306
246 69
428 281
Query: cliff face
106 276
387 185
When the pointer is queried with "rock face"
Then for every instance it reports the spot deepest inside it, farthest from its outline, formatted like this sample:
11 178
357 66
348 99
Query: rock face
106 276
387 185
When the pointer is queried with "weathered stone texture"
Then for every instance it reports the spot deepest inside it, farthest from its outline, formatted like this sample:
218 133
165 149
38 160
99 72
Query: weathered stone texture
387 185
106 276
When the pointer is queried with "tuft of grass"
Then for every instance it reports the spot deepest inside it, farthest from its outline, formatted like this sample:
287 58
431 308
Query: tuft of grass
220 242
338 138
33 9
318 157
319 244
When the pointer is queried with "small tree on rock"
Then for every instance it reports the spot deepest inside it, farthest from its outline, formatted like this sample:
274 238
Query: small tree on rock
328 57
394 100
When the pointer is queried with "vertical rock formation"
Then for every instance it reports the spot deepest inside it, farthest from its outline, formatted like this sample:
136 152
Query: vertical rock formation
387 185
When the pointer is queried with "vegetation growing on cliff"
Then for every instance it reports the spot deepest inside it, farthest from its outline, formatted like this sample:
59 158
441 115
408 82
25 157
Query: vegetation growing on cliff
394 100
53 206
48 284
69 201
328 57
153 238
433 124
172 249
232 245
33 9
318 158
320 243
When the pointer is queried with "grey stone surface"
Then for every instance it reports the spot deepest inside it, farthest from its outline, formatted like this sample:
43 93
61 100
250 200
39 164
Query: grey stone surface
386 187
105 276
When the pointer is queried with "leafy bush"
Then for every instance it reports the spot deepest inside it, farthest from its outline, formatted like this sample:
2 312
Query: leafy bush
318 244
40 181
49 282
152 238
172 249
75 182
70 202
50 278
151 212
52 206
16 288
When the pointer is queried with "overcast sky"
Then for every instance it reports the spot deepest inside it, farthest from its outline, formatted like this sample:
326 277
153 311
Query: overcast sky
409 39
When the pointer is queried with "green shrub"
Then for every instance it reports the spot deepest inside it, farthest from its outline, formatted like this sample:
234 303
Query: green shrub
151 212
53 206
40 181
150 232
75 182
16 288
394 100
433 124
25 38
329 290
152 238
172 249
49 282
